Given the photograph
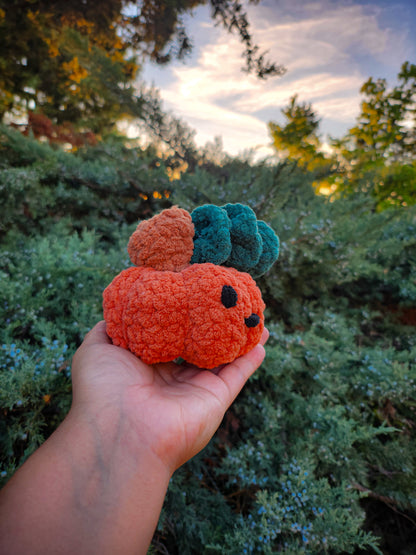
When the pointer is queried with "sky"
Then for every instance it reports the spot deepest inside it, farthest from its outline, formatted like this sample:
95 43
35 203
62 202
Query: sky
329 48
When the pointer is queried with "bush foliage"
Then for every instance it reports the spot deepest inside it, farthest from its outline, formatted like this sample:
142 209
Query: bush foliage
318 453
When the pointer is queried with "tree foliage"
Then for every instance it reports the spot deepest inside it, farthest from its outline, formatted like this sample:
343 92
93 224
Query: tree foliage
59 58
378 153
299 139
376 156
77 62
318 453
386 126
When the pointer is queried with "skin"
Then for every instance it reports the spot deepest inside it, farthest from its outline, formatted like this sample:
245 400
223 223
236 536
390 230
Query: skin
97 485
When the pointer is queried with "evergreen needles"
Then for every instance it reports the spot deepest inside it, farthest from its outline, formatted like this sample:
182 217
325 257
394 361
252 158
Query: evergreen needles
318 453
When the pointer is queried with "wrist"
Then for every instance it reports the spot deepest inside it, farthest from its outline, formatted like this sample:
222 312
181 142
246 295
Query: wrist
92 490
108 437
117 485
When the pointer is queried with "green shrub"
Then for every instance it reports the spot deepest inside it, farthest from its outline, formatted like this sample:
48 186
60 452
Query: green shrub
51 295
312 433
99 188
323 434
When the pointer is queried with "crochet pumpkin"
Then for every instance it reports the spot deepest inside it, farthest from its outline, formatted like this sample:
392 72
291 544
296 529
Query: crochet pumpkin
187 296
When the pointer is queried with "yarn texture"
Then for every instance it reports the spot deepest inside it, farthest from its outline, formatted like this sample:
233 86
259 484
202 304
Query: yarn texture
169 306
212 241
163 315
165 242
231 235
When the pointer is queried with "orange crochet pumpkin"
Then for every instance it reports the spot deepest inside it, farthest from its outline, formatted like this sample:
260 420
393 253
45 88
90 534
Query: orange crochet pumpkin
168 308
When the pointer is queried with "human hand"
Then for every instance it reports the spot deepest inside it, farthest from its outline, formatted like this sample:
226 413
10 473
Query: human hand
166 409
97 485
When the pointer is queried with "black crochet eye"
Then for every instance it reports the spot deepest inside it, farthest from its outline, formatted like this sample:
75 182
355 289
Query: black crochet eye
229 296
252 321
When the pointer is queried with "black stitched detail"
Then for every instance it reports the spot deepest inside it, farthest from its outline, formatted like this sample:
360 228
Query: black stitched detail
229 296
252 321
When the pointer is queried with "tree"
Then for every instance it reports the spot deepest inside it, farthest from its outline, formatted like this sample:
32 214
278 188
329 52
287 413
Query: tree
377 155
59 60
76 62
386 125
298 139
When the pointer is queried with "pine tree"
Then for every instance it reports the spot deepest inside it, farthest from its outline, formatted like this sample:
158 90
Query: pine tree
378 154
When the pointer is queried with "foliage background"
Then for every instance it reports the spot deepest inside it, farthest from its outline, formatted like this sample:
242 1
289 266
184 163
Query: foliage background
318 453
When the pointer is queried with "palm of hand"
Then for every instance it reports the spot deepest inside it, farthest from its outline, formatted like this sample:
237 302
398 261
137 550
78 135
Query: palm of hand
174 409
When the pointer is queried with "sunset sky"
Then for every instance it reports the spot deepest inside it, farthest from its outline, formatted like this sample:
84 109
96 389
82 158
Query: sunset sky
329 47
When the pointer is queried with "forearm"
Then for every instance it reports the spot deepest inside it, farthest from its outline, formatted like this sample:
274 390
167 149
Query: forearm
89 489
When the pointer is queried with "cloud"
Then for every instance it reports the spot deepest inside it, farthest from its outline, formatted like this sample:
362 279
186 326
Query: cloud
195 99
323 44
311 88
341 26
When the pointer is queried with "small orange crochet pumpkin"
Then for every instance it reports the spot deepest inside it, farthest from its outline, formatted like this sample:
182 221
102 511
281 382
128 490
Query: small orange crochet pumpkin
167 308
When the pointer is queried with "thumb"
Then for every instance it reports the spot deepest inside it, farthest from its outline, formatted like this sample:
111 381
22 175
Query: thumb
97 335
